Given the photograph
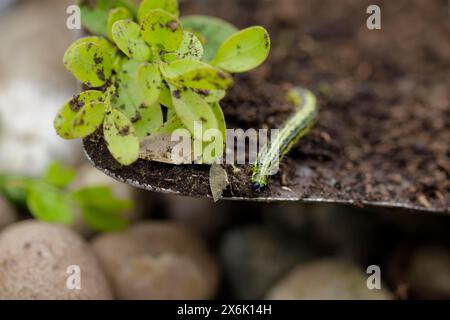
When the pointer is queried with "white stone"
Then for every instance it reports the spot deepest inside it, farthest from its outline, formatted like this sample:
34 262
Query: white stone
28 141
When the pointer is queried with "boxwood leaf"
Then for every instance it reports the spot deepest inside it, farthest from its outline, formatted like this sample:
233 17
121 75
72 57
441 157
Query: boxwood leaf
100 41
127 35
126 99
165 97
173 123
197 75
192 109
88 119
117 14
220 117
211 96
149 80
150 119
171 113
121 137
63 122
190 49
49 204
162 30
89 62
243 51
214 32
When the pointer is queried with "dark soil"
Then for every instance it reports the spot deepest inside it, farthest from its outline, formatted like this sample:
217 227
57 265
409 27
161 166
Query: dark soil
384 127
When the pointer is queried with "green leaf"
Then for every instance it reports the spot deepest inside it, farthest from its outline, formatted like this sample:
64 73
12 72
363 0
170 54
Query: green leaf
63 122
162 30
192 110
58 175
104 221
244 50
121 137
171 6
171 113
89 62
102 198
115 15
127 98
165 97
100 41
172 124
190 49
100 209
127 35
88 119
211 96
94 14
149 80
150 119
49 204
220 117
137 86
197 75
214 32
94 19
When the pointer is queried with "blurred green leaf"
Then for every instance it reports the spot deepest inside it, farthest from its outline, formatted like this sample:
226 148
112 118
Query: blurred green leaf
14 188
59 175
101 198
103 221
171 6
95 13
100 209
48 203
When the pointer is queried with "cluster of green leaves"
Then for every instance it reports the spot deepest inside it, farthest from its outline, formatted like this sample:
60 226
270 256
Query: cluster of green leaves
143 59
50 199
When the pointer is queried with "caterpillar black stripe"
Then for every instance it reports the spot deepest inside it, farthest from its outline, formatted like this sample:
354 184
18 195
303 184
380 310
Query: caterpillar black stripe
293 130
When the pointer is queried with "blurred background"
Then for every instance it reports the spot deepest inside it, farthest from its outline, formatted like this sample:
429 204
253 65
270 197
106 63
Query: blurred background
190 248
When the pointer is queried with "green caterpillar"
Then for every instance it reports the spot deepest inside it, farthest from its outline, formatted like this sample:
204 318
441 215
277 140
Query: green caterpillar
293 130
